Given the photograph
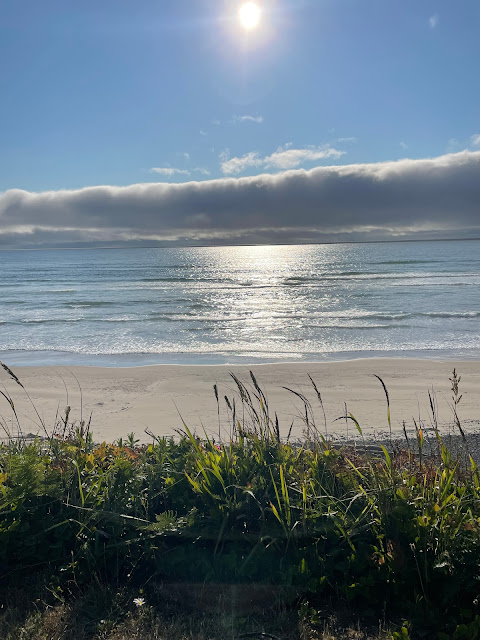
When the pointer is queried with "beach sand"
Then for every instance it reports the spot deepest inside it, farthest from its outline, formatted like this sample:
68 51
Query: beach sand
122 400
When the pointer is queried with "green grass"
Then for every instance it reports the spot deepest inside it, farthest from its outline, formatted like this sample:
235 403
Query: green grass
105 614
321 528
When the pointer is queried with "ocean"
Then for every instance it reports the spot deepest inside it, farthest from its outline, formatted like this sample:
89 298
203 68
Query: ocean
255 304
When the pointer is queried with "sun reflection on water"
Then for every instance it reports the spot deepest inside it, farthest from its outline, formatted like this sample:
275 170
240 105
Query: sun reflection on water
265 292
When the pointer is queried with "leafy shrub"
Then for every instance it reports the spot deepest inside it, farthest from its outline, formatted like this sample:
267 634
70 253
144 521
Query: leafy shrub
396 533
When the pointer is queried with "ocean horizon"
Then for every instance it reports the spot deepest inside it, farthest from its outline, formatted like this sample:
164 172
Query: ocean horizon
247 304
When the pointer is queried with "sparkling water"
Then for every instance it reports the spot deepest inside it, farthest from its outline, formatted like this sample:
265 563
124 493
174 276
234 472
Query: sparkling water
240 304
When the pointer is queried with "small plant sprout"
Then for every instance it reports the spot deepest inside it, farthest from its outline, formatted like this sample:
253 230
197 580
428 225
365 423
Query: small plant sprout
132 441
456 397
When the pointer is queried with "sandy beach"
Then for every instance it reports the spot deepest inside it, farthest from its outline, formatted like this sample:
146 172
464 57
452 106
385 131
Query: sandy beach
157 398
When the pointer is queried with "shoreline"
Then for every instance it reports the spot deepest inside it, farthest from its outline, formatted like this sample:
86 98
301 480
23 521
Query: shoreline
158 397
40 359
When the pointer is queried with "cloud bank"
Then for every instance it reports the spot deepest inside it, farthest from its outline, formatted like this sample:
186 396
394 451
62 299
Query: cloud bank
437 197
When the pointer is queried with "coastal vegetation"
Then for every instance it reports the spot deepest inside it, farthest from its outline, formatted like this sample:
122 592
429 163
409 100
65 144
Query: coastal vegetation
246 536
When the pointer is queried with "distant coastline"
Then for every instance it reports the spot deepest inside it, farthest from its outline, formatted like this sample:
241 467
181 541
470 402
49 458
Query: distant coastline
260 244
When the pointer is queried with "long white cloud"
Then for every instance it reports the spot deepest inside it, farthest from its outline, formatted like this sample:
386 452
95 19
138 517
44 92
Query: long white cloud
282 158
247 118
170 171
434 197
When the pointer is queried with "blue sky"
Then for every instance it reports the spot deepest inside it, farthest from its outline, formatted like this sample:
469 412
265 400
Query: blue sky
100 93
167 122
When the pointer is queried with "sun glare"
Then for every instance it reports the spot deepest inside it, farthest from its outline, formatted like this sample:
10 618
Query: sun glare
249 14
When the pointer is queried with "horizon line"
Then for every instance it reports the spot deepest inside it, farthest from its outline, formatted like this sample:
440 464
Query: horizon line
249 244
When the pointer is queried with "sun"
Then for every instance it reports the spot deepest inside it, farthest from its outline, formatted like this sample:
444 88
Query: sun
249 14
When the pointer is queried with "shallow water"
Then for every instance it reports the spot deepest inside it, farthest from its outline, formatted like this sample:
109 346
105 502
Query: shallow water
240 304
